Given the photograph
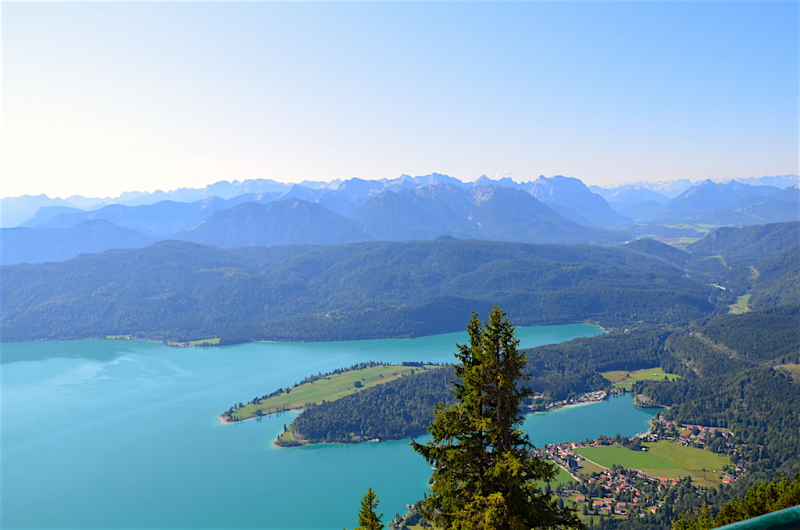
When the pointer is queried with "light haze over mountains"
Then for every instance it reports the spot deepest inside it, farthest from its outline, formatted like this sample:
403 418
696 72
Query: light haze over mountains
267 213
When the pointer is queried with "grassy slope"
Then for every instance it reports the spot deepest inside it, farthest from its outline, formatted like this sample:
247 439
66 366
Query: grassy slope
625 379
561 477
663 459
793 369
740 306
329 388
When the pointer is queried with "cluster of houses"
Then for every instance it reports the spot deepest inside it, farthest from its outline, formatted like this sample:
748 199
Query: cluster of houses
716 439
588 397
618 491
623 490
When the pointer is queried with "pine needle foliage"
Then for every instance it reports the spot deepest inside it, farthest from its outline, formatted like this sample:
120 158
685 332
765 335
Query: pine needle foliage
485 476
766 497
368 519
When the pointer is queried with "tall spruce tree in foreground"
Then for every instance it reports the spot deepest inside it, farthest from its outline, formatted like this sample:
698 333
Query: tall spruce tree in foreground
368 519
485 477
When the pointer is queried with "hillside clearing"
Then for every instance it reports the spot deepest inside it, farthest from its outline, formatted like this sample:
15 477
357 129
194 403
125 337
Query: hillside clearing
624 379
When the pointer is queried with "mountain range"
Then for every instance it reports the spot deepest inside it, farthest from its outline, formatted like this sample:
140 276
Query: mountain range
180 290
546 210
401 212
16 210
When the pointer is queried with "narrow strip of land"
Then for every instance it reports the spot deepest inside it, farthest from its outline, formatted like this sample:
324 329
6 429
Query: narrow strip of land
322 387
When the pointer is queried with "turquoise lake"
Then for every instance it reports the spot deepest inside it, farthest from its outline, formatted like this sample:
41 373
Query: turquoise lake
124 434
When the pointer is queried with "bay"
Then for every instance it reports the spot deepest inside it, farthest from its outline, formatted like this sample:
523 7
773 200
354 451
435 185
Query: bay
124 434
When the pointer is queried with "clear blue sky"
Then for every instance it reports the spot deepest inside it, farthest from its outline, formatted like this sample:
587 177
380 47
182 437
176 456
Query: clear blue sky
104 97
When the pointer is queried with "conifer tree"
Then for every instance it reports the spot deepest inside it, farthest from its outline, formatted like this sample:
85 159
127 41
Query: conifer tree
485 476
368 519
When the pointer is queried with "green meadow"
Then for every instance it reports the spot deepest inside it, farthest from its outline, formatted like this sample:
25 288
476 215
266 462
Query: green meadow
204 342
329 388
562 477
624 379
662 459
740 306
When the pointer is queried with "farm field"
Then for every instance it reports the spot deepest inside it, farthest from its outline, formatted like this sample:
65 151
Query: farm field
662 459
328 388
740 306
587 468
205 342
625 379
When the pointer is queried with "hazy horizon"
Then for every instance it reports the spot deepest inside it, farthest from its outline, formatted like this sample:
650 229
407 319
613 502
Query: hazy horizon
102 98
234 181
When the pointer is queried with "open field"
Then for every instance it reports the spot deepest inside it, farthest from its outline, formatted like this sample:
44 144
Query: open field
662 459
793 369
562 477
329 388
682 241
625 379
701 228
587 468
205 342
740 306
200 342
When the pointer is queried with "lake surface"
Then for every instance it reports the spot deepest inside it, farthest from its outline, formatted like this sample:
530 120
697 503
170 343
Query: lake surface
124 434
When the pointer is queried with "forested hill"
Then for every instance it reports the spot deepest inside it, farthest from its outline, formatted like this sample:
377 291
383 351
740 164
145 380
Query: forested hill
182 291
762 261
741 372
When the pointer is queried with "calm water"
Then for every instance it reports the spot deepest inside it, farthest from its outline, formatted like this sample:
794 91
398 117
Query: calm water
108 434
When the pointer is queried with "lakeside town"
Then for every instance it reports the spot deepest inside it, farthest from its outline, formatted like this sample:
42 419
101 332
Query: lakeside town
623 491
539 404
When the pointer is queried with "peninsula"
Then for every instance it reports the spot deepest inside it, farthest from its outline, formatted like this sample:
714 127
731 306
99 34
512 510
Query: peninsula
321 388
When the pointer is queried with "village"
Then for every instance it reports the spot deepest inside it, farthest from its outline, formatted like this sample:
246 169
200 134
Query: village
619 491
539 404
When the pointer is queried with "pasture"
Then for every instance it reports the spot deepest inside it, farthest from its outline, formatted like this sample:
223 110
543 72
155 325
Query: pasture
740 306
662 459
624 379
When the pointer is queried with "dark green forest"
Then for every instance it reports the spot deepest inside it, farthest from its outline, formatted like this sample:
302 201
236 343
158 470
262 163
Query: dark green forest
184 291
392 411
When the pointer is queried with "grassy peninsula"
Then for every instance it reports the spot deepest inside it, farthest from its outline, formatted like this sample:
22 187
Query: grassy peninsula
322 388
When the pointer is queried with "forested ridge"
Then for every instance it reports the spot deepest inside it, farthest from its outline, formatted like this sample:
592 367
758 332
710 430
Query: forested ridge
184 291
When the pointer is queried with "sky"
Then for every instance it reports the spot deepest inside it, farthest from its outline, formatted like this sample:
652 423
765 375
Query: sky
104 97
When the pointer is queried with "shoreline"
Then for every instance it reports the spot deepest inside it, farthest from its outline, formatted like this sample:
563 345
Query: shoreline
561 407
568 405
164 343
221 419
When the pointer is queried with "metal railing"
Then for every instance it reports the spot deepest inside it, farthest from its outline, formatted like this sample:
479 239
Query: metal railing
786 519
